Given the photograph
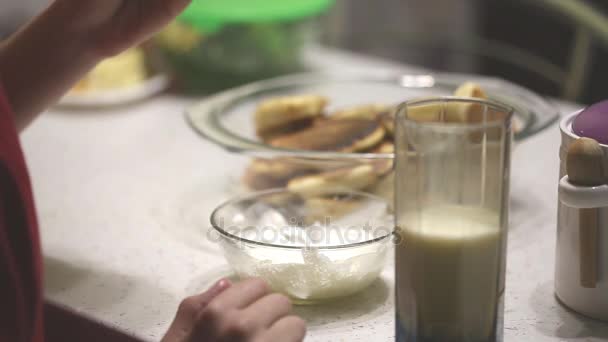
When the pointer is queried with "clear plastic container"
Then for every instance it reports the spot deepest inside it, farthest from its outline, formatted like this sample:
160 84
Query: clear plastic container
218 44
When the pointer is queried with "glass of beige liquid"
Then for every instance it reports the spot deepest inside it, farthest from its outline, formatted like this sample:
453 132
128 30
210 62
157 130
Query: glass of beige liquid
451 203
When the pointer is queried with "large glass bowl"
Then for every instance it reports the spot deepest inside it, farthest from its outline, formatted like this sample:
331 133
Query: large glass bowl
227 118
311 248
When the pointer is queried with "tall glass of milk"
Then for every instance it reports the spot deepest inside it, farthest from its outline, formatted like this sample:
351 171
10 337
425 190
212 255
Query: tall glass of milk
451 203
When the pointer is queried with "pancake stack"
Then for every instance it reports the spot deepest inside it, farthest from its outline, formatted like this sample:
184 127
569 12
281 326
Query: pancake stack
302 122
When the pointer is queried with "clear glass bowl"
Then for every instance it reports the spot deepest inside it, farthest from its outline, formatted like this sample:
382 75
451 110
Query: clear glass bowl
227 118
311 248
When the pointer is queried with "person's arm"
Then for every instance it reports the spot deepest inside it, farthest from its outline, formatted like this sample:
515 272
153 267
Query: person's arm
43 61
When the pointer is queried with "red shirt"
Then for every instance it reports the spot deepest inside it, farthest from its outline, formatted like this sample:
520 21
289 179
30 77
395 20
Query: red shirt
21 302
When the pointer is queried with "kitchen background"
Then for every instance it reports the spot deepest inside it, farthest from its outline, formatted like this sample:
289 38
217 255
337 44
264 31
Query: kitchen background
555 47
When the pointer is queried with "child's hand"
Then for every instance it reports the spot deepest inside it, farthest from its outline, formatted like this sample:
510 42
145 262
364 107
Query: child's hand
114 25
244 312
43 60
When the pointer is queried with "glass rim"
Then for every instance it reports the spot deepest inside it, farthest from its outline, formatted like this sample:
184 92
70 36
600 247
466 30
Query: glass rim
451 126
235 238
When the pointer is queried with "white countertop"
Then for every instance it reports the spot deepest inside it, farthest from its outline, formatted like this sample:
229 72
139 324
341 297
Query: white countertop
123 197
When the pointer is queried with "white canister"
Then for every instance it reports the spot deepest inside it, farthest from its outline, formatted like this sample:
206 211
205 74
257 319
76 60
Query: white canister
589 301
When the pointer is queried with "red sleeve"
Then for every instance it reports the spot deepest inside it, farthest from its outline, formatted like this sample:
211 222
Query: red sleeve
20 257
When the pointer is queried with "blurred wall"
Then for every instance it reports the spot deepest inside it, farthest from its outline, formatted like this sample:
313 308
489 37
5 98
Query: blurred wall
524 41
405 30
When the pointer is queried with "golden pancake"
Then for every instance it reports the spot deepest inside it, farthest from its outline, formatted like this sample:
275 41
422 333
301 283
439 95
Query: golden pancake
334 135
277 113
366 112
335 181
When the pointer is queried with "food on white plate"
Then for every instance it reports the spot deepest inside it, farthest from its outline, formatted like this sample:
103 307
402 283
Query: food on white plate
122 71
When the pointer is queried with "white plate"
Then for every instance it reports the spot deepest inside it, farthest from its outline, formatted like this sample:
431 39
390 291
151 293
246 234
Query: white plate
148 88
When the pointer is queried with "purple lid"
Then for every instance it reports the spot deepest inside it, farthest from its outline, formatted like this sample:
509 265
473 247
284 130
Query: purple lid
593 122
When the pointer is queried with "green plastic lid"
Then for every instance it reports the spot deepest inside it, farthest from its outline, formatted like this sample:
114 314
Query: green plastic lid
210 15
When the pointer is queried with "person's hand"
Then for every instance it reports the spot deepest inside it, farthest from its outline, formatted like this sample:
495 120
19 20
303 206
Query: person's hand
114 25
41 62
243 312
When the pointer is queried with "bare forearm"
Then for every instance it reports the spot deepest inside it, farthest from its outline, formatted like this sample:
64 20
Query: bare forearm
41 62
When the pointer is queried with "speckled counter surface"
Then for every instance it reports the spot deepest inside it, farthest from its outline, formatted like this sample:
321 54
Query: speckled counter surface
124 195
